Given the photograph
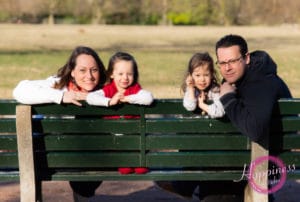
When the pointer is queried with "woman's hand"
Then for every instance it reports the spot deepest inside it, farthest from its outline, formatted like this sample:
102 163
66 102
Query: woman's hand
73 97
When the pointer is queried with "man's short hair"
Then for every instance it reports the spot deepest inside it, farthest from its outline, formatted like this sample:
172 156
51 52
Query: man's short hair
232 40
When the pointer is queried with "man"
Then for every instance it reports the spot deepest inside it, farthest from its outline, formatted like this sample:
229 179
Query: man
249 95
251 88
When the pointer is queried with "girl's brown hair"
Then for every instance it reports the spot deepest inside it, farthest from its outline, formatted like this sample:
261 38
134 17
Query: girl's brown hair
197 60
122 56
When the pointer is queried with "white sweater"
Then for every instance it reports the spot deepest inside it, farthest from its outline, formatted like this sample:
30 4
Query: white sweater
38 91
143 97
215 109
42 91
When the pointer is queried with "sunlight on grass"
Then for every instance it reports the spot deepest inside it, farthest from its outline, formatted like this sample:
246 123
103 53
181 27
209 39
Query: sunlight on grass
162 52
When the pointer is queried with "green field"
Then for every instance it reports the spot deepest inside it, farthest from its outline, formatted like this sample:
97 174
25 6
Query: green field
162 52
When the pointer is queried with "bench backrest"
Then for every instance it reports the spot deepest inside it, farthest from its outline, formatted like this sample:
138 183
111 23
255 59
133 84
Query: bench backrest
8 141
164 135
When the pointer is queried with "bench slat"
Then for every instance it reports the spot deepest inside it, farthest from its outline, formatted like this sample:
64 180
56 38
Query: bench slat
167 106
9 176
291 123
8 142
198 159
162 106
290 158
8 160
197 142
85 110
167 175
8 107
188 125
83 142
84 125
289 106
90 159
7 125
291 141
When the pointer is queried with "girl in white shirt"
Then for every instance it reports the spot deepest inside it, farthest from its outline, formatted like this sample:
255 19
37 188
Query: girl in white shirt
201 88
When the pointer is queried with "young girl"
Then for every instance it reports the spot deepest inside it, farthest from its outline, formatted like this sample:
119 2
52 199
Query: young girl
201 87
122 87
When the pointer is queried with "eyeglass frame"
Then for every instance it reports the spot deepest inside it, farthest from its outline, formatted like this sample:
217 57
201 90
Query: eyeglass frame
229 62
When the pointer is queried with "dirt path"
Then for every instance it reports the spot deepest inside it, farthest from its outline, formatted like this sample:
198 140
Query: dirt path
125 191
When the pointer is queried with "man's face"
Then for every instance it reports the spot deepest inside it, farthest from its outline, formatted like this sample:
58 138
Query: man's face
232 64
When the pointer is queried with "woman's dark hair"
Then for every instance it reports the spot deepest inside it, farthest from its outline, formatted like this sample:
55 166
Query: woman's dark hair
64 73
118 56
233 40
200 60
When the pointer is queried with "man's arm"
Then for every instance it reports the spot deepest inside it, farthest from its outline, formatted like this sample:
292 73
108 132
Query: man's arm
251 113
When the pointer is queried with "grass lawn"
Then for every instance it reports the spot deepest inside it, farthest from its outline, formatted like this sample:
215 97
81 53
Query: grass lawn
162 52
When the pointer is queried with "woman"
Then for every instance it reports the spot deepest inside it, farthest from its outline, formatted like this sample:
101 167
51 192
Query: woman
83 73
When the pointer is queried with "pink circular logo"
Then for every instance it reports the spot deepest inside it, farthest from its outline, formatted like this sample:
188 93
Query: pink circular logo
279 183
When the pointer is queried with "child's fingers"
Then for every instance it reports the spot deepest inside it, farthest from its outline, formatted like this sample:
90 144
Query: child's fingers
75 102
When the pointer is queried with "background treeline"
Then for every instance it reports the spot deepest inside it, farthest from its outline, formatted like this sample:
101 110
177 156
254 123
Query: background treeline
151 12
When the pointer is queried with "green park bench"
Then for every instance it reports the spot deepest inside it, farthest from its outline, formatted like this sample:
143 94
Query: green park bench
52 142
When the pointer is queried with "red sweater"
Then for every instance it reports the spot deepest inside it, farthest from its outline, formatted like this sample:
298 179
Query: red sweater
110 90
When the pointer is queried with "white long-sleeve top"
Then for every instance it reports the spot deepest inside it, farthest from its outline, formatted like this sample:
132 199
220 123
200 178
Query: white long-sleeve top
42 91
38 91
143 97
215 110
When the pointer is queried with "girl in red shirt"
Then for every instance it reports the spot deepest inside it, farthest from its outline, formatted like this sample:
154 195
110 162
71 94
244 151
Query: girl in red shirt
122 87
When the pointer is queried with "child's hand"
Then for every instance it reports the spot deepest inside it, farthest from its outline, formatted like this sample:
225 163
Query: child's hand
189 81
124 99
201 98
201 101
116 99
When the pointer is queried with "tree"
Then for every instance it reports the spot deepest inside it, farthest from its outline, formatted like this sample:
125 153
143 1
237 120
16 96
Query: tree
52 5
164 19
97 14
229 11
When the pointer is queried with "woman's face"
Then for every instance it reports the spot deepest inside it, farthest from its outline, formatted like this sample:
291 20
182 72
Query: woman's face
86 73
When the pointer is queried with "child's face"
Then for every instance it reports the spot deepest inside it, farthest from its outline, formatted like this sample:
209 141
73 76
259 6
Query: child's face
123 74
201 77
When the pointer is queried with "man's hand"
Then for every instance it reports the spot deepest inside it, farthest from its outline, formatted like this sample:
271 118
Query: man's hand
226 88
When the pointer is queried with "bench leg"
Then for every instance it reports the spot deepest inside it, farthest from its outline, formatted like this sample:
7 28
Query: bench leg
26 154
38 188
252 195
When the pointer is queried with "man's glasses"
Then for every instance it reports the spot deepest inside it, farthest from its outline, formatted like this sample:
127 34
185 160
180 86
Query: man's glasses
229 62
